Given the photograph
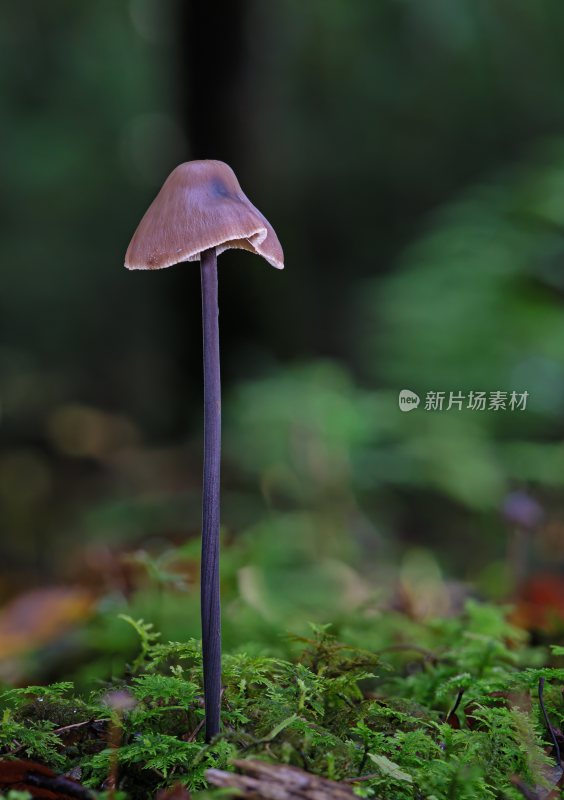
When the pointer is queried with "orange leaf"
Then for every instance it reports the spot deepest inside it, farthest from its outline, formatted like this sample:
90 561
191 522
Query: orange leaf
40 616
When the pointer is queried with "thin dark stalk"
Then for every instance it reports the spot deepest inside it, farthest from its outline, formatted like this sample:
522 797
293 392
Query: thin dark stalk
454 709
210 600
548 723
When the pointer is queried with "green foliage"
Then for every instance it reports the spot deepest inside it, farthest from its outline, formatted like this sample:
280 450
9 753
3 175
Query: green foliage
15 795
474 304
335 709
32 716
37 741
147 637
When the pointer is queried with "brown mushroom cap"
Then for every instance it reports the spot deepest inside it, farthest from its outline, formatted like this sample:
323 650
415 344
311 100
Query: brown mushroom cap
200 206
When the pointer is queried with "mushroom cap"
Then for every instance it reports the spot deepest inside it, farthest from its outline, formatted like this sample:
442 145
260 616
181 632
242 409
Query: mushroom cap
200 206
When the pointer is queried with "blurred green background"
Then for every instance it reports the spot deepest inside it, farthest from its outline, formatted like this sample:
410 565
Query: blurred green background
411 158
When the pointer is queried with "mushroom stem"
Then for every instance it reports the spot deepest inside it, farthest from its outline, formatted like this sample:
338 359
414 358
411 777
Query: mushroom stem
210 600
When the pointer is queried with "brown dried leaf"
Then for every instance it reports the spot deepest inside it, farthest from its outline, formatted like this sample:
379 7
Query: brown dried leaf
40 616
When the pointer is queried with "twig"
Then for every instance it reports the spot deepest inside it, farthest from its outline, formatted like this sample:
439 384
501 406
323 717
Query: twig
196 730
281 781
370 777
75 725
346 700
548 725
19 747
364 758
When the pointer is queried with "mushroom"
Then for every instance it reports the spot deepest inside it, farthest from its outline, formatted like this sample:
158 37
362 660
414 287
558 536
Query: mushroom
200 212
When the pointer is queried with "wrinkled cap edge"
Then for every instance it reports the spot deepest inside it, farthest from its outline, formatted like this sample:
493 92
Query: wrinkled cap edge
256 239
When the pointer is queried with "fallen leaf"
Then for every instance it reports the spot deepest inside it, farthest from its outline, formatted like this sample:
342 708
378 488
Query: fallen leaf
540 603
453 721
40 781
40 616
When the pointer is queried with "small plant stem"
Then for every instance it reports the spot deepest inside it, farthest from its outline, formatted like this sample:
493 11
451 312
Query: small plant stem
210 601
454 709
114 742
548 723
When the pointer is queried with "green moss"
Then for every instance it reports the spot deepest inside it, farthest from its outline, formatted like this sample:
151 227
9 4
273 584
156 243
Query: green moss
334 709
